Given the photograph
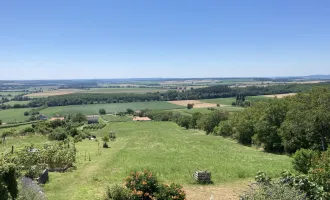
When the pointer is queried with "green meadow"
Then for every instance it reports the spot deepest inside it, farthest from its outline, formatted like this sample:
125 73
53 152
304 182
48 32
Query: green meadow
169 151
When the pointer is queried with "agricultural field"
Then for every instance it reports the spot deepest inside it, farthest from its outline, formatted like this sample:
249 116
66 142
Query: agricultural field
110 108
13 115
205 110
12 103
280 95
197 103
94 90
116 118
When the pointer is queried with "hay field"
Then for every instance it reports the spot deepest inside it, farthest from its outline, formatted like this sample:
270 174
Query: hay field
280 95
197 103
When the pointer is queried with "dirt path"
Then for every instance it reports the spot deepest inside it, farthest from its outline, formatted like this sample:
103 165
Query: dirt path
216 192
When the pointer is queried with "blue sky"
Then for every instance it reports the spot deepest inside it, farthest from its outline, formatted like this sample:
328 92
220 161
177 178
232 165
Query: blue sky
156 38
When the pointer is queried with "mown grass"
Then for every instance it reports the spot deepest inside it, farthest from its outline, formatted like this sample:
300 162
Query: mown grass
110 108
171 152
186 111
13 115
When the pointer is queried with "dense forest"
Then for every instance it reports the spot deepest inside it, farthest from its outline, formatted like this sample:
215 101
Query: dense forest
199 93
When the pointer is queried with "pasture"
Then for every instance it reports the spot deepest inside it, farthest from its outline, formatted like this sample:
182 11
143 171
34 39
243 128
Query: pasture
90 109
13 115
171 152
228 101
164 148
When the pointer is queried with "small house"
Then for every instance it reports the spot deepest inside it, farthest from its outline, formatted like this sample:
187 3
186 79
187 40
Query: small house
92 119
42 117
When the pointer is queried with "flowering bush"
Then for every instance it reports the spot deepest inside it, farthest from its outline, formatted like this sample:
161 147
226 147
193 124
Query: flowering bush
143 184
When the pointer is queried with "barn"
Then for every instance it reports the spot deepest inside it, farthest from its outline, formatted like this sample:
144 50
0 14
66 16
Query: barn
93 119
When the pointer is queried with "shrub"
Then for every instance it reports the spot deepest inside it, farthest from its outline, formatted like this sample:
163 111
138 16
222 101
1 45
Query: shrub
190 105
302 160
8 182
118 193
102 111
275 191
57 136
143 184
173 191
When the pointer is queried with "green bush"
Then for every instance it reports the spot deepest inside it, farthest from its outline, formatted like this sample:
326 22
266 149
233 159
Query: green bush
173 191
272 192
60 136
118 193
302 160
8 181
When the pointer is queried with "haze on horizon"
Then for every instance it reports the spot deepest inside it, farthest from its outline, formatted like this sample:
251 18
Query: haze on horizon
131 39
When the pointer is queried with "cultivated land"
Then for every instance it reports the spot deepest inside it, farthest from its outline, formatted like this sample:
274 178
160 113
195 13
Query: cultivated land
197 103
110 108
168 150
280 95
95 90
228 101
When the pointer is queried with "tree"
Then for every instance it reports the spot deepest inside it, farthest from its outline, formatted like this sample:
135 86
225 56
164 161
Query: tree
8 181
105 139
210 120
184 121
26 113
129 111
102 111
79 117
0 122
190 105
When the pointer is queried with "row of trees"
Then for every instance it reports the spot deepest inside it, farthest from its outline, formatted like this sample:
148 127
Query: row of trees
283 125
199 93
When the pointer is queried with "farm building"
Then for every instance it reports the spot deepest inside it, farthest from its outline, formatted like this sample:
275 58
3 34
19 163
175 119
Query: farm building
141 119
137 112
42 117
92 119
56 118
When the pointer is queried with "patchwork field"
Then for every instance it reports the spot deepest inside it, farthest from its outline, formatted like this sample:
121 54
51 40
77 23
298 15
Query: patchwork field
110 108
228 101
280 95
95 90
168 150
197 103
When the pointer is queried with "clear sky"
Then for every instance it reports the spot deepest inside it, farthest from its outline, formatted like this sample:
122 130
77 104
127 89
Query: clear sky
63 39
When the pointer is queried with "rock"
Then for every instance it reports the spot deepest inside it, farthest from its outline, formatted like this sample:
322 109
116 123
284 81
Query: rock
43 177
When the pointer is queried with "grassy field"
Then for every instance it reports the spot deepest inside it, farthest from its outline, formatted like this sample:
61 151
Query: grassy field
171 152
228 101
14 114
110 108
186 111
12 93
12 103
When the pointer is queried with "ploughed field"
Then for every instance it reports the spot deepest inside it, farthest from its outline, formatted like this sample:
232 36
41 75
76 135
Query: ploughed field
169 151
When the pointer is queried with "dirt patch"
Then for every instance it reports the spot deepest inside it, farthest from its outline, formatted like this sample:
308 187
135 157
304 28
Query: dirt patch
280 95
221 192
197 104
53 93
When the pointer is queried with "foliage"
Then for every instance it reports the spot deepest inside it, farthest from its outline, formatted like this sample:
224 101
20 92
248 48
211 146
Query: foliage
209 121
94 126
303 160
143 184
117 192
190 105
8 182
58 134
102 111
173 191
